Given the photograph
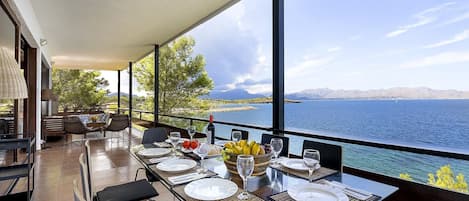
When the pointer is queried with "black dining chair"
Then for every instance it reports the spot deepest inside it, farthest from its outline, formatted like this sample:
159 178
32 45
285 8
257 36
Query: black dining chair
158 134
244 134
330 154
136 190
286 141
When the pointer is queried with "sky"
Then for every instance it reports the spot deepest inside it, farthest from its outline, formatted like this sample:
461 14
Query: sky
353 44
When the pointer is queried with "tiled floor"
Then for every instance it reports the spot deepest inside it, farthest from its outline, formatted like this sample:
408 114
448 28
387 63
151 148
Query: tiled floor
57 167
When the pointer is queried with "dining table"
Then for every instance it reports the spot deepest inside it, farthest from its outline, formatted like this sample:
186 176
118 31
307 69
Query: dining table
272 185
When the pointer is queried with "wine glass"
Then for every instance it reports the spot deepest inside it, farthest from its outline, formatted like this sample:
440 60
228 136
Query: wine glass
236 136
174 139
191 131
311 159
277 146
245 166
202 151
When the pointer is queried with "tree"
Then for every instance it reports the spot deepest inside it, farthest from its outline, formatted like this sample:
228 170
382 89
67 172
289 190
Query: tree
183 78
444 179
78 89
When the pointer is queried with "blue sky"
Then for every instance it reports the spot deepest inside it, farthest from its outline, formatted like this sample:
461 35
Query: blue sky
353 44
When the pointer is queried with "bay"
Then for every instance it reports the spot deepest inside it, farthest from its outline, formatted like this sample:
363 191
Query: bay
436 124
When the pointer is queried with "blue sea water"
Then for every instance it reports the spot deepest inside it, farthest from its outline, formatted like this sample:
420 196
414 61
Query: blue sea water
437 124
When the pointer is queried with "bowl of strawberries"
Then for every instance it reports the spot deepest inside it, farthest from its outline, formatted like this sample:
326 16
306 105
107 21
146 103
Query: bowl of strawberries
189 145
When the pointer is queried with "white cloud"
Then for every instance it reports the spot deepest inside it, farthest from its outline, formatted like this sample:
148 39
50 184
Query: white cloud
423 18
259 89
334 49
307 65
457 38
355 37
459 18
439 59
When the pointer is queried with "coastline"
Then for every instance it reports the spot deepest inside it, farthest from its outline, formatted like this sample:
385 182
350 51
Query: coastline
232 109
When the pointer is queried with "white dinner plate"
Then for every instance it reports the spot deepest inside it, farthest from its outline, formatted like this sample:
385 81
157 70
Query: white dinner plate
211 189
153 152
311 191
296 164
176 165
181 140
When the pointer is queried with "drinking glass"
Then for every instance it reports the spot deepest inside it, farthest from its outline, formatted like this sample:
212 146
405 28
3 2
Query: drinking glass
202 151
245 166
277 146
191 131
236 136
174 139
311 159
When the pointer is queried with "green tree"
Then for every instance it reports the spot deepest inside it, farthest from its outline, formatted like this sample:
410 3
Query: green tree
78 89
445 178
183 78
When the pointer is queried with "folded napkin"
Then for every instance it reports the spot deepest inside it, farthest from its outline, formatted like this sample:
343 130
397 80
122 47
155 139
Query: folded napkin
162 144
181 179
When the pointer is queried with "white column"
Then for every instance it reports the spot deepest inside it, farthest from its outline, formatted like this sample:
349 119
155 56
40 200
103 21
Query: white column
49 103
38 97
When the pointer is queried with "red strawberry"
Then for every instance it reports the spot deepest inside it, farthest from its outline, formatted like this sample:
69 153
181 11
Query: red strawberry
194 144
186 144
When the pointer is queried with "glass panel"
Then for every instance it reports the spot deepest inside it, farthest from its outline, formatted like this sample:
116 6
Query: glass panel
7 33
372 70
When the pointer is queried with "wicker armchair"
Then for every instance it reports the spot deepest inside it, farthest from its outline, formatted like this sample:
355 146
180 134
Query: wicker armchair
73 125
118 123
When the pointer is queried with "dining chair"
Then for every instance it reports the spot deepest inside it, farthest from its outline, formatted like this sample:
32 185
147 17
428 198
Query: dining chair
286 141
151 135
84 178
135 190
73 125
118 123
244 134
77 195
158 134
330 154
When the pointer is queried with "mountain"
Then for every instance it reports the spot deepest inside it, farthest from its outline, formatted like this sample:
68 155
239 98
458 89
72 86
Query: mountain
115 94
233 95
391 93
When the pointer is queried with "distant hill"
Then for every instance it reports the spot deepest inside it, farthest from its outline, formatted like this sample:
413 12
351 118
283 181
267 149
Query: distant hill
391 93
115 94
233 95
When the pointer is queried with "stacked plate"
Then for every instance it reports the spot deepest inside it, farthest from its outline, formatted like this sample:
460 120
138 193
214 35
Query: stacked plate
153 152
211 189
295 164
316 192
176 165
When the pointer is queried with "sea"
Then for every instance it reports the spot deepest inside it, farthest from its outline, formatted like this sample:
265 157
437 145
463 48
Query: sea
435 124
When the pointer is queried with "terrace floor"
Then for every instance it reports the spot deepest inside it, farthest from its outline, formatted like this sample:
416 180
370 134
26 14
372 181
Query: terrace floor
57 167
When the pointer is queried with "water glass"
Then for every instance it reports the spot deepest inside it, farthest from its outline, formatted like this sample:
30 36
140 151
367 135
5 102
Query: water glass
191 131
311 159
245 166
202 151
277 146
174 139
236 136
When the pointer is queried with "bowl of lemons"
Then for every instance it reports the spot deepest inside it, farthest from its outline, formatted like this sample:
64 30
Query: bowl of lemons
243 147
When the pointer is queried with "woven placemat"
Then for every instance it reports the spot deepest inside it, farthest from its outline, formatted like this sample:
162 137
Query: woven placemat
180 191
318 174
283 196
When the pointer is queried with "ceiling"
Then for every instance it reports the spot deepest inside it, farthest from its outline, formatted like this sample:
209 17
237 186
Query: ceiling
107 34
